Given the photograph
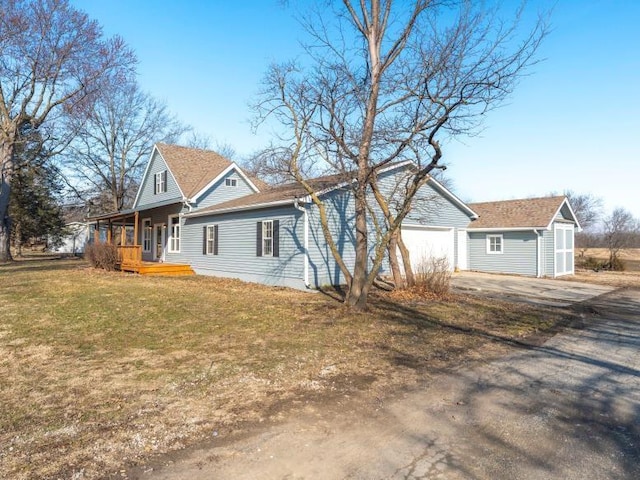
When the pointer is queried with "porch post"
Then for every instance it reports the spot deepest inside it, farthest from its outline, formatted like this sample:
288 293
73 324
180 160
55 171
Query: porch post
136 216
96 232
109 233
123 232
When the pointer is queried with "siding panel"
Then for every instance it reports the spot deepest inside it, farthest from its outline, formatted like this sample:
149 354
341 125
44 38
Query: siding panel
220 192
237 247
518 257
146 196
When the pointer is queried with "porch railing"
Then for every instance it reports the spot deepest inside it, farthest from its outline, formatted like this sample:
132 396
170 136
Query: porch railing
130 254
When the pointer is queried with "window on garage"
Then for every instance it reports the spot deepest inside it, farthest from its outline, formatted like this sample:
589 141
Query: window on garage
495 244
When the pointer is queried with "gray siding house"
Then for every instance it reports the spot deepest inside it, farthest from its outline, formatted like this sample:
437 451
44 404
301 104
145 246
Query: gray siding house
533 237
275 236
197 209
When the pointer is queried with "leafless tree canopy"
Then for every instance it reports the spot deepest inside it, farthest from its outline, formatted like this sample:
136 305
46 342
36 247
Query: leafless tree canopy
620 231
385 81
586 206
113 140
53 61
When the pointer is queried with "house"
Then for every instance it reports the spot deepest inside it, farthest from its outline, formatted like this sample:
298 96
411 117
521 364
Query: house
176 180
196 211
74 240
533 236
275 236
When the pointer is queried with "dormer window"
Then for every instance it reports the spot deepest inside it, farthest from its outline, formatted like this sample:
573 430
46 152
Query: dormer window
160 184
231 182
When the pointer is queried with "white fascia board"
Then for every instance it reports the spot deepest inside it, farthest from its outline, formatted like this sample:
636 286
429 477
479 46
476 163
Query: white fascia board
575 218
454 199
506 229
256 206
233 166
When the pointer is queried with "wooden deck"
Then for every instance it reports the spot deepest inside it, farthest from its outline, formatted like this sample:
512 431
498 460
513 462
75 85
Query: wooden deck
130 260
158 269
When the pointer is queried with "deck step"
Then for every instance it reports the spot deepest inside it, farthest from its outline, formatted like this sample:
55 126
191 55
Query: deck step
159 269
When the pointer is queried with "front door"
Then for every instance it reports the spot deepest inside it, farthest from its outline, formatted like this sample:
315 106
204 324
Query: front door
159 230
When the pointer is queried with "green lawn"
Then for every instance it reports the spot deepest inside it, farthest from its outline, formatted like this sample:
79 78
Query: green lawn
100 370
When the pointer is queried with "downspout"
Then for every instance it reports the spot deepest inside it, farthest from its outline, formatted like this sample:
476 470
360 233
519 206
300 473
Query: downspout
306 241
538 253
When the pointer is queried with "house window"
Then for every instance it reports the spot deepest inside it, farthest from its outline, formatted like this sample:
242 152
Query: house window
146 235
210 240
231 182
268 238
174 234
160 185
494 244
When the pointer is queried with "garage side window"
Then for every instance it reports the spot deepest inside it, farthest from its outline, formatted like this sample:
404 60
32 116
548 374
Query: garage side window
494 244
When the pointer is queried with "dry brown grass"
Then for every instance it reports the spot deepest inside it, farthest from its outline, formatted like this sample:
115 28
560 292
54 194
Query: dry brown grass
102 370
630 277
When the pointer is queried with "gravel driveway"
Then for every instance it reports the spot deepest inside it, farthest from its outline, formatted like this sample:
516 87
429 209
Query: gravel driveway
541 291
569 409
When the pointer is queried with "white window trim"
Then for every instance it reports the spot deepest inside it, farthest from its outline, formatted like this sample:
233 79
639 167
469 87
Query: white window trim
489 238
147 231
230 182
264 238
171 240
161 184
211 239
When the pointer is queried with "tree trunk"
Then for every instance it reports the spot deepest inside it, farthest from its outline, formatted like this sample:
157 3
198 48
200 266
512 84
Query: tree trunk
358 290
17 237
6 172
410 279
5 223
398 279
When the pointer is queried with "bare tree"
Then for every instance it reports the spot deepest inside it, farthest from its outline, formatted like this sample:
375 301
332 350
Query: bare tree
620 230
113 141
53 60
586 206
386 82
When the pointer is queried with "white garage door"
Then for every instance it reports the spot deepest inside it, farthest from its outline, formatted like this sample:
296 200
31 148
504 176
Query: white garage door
425 243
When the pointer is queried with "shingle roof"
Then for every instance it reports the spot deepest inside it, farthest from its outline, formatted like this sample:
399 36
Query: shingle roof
194 168
522 213
282 193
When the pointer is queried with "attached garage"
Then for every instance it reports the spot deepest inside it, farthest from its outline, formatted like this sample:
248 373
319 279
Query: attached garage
427 243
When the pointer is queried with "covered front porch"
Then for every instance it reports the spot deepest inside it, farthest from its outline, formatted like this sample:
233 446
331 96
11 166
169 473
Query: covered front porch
122 229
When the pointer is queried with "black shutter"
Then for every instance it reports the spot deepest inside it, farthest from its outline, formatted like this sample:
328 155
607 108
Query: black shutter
259 239
276 238
155 186
204 240
215 239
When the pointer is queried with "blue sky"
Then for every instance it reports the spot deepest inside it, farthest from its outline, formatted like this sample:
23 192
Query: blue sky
573 123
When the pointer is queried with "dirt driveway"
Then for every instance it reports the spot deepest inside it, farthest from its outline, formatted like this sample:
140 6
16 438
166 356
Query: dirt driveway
568 409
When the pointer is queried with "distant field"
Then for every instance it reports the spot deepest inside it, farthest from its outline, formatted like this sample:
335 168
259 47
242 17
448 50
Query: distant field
630 256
